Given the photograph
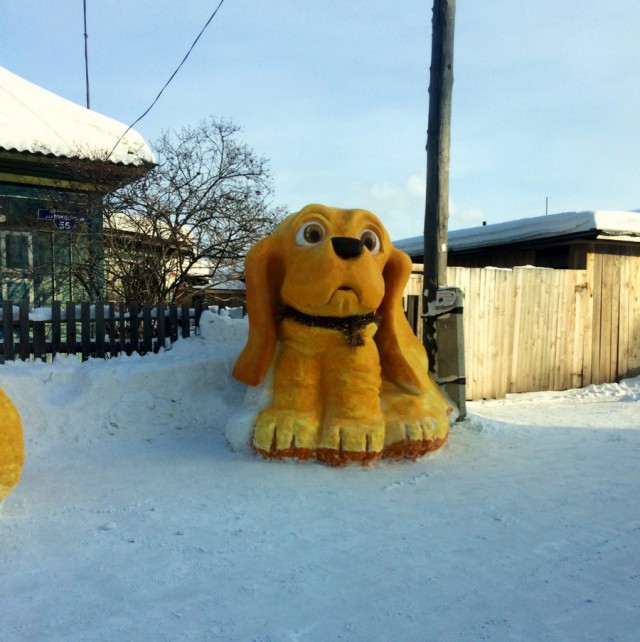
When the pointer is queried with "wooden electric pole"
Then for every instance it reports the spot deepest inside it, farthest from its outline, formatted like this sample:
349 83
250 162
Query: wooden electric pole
86 53
436 217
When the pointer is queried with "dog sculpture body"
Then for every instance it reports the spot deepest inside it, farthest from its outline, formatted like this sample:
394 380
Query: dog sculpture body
351 383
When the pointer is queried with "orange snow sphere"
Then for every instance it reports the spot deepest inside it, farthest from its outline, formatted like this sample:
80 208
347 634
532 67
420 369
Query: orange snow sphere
11 446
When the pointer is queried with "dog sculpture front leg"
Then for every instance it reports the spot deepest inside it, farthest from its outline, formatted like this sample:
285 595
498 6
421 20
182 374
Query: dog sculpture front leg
290 426
353 425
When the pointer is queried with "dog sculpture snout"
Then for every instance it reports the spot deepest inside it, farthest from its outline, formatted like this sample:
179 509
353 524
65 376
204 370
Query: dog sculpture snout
347 247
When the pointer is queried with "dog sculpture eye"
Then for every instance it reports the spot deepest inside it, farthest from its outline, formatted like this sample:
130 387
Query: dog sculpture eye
371 241
310 233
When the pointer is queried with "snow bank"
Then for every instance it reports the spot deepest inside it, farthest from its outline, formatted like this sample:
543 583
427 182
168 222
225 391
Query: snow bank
184 386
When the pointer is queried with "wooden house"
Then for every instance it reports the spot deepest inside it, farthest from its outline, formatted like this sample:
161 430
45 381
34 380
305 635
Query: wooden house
57 159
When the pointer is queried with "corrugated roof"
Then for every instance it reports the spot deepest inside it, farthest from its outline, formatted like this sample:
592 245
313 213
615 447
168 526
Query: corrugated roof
605 222
35 120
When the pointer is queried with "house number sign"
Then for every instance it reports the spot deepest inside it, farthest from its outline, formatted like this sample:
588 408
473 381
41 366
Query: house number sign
64 221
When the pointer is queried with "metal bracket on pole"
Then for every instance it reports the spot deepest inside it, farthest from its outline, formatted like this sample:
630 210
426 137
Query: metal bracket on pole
446 314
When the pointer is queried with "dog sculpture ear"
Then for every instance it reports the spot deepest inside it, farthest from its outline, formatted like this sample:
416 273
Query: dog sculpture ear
263 272
402 356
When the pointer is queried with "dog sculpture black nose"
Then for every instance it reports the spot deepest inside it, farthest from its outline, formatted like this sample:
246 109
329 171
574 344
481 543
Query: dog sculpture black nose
346 247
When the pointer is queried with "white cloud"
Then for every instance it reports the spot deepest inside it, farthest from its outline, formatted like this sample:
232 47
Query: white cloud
466 216
401 205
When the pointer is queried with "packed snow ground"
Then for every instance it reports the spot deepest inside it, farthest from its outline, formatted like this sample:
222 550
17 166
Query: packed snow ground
135 520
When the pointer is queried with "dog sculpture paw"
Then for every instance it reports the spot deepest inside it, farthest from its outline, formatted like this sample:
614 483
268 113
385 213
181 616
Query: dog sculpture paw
285 433
415 424
413 439
347 441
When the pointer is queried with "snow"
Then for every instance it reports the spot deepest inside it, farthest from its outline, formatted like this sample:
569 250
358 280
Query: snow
35 120
135 519
608 222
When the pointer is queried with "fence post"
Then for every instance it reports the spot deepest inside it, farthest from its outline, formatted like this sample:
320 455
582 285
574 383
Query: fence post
23 321
201 306
147 330
185 321
7 327
39 341
56 329
134 335
413 313
100 343
85 327
122 328
72 347
112 329
173 322
160 327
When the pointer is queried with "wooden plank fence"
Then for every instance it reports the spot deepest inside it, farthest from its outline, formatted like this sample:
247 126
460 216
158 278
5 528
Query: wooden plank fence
533 329
98 329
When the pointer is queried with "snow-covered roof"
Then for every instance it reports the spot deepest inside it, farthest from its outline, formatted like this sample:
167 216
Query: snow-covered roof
224 286
607 223
35 120
141 225
218 278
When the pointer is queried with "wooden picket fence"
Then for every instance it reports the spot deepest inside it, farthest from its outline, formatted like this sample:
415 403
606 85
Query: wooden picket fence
534 329
98 329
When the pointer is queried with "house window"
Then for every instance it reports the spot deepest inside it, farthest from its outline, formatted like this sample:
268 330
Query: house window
16 266
17 290
17 251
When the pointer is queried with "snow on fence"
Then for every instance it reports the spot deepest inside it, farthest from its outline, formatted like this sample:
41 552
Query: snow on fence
87 329
535 329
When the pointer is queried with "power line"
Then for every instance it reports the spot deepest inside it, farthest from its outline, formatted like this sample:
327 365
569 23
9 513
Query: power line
135 122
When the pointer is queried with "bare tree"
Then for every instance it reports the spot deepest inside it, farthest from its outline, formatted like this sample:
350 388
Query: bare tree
189 220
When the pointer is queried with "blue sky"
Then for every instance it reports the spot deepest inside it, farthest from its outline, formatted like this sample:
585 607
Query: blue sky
546 98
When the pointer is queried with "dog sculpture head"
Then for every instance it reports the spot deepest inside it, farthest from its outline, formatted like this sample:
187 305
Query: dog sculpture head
330 262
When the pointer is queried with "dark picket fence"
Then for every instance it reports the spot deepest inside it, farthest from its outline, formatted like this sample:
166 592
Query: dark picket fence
93 329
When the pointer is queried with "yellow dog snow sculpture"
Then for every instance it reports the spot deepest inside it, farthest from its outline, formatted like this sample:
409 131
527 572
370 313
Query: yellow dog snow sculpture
351 383
11 446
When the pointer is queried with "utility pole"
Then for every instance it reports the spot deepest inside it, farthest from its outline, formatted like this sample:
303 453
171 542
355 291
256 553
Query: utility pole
436 218
86 53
